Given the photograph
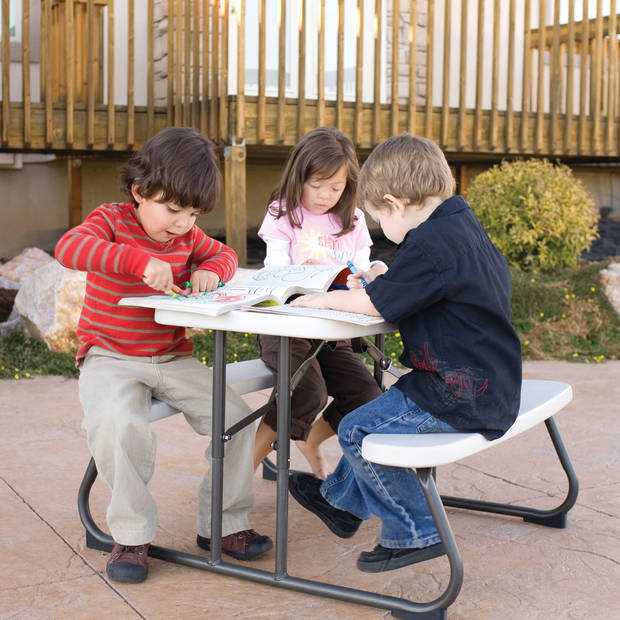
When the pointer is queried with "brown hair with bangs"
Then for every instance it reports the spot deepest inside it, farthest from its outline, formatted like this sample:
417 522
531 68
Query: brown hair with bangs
405 166
177 165
320 153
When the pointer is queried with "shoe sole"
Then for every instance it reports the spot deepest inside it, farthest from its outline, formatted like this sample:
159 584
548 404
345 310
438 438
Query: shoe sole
309 507
420 555
126 573
267 546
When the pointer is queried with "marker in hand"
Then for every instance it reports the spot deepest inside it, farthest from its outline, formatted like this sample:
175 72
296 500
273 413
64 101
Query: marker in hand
353 269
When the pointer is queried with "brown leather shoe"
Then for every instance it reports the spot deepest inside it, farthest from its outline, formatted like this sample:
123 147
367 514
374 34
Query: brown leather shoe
244 545
128 563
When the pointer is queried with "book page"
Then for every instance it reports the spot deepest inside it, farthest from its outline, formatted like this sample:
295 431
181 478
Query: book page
334 315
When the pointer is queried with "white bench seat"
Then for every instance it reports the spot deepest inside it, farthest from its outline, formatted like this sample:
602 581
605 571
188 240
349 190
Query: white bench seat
243 377
539 401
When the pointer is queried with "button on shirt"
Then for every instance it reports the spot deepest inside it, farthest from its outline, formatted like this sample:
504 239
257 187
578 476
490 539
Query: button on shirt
448 290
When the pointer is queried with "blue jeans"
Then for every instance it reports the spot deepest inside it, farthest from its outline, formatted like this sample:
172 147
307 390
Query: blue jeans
393 494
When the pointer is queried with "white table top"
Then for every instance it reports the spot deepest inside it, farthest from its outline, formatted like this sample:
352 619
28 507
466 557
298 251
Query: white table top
272 324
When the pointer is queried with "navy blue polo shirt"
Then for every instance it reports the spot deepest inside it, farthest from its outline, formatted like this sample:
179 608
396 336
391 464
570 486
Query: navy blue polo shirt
448 291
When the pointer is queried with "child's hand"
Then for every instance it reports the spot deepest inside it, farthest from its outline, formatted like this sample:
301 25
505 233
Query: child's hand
158 275
354 280
315 300
203 280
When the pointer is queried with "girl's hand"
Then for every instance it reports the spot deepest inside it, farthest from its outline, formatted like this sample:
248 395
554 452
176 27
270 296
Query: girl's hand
158 275
315 300
203 280
354 280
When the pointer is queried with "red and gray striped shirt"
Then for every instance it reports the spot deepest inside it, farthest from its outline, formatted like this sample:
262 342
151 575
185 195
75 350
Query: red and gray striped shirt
113 248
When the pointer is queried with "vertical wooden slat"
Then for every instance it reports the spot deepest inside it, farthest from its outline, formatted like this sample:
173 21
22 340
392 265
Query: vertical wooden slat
281 71
445 87
111 94
494 79
6 70
479 71
186 38
555 86
510 79
527 78
69 66
46 69
340 67
262 42
150 71
611 146
26 72
584 56
207 83
395 67
413 65
570 77
540 89
180 63
320 104
74 186
462 76
376 120
171 65
301 71
235 192
428 112
217 87
196 64
90 74
359 90
240 122
597 80
224 74
131 111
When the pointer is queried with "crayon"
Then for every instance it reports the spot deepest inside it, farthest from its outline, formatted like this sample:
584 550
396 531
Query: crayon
353 269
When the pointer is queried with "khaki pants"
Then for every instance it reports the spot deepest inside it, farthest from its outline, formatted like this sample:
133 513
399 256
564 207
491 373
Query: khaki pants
115 392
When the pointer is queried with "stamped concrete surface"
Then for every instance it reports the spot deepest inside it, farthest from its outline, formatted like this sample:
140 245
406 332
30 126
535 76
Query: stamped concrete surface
513 570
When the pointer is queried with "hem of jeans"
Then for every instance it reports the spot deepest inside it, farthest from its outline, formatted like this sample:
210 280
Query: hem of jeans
418 543
134 538
227 528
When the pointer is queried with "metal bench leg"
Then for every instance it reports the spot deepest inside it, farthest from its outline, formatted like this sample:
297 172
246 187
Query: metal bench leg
95 538
556 517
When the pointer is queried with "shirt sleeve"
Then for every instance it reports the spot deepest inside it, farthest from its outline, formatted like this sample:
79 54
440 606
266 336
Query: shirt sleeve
92 246
277 252
411 284
275 228
212 255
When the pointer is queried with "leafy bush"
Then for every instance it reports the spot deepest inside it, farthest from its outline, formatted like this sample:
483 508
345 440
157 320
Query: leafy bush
538 214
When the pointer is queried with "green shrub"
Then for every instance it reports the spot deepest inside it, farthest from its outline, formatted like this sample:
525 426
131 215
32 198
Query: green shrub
538 214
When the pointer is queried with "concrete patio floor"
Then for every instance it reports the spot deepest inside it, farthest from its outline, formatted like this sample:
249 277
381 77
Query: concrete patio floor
513 570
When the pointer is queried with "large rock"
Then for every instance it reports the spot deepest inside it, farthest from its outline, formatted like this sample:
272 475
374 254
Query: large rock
24 264
49 303
610 278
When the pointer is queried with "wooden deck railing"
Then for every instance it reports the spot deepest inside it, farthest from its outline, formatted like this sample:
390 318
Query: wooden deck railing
483 78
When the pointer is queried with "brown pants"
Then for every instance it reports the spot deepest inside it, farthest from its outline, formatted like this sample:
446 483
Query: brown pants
339 373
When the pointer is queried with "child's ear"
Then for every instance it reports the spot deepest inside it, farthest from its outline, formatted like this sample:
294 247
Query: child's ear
135 192
396 203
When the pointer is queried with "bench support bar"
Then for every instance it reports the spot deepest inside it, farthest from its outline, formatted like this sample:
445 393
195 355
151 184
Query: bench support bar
555 517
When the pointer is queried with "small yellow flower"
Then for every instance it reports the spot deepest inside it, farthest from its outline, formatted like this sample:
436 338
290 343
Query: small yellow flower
210 331
16 376
246 335
204 363
27 374
575 354
573 295
16 369
563 316
526 342
593 288
542 314
1 367
533 280
567 296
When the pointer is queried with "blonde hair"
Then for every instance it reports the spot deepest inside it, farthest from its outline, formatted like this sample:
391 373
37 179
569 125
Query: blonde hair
408 167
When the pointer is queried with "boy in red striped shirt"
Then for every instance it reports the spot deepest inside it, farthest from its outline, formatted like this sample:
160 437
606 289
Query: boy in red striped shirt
129 249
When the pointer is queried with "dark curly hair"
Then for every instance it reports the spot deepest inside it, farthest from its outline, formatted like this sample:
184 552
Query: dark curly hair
176 165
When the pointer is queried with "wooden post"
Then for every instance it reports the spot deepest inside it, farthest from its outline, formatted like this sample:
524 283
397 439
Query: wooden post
74 191
234 199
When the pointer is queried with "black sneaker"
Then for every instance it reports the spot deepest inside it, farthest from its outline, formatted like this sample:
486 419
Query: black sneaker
244 545
381 558
128 563
305 488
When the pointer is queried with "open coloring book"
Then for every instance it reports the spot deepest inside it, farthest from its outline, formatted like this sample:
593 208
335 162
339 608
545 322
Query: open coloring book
275 284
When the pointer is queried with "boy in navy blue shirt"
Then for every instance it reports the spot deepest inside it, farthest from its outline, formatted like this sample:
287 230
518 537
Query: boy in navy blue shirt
448 291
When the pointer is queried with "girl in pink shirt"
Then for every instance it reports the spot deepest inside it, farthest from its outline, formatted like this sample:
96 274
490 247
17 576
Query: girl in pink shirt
322 227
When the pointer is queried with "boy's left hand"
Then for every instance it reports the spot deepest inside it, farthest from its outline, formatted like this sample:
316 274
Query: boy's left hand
203 280
314 300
